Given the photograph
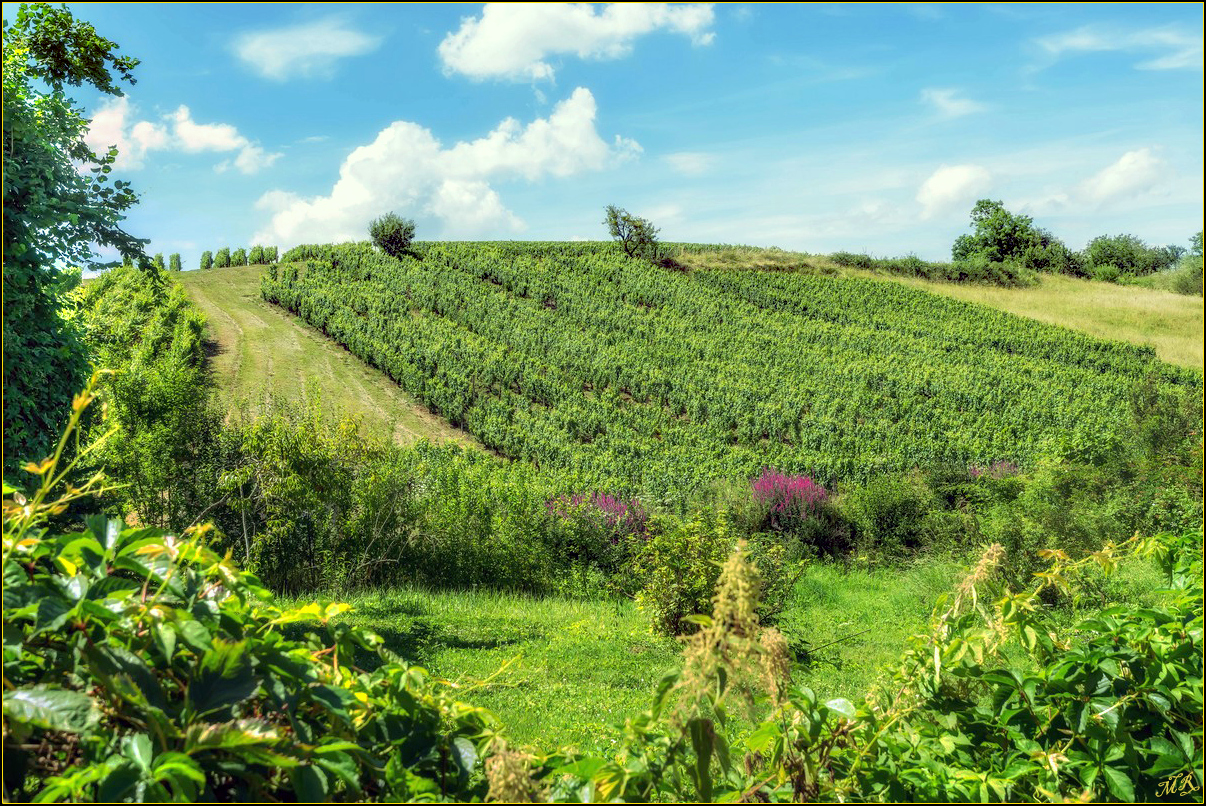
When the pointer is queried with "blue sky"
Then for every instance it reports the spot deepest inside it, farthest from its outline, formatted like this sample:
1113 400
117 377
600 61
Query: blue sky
811 127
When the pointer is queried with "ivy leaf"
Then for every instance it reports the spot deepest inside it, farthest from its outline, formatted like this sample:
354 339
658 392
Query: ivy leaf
53 709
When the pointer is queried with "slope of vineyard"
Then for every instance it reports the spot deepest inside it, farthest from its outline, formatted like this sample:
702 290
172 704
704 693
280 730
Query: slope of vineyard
573 356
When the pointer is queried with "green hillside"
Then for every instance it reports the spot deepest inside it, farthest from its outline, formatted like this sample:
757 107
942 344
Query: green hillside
573 356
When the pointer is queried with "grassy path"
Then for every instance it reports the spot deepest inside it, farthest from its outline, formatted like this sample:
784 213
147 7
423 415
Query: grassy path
260 350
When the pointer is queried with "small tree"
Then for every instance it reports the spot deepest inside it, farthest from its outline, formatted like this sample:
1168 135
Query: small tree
637 236
207 260
256 256
239 258
174 261
270 254
999 234
158 261
392 234
222 259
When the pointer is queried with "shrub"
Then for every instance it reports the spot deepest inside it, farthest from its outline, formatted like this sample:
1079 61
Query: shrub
174 261
637 236
157 261
392 234
222 259
678 568
256 256
1126 255
601 530
141 665
891 514
270 254
238 257
207 260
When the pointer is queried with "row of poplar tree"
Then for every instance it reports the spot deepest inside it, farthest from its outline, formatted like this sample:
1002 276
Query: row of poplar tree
220 260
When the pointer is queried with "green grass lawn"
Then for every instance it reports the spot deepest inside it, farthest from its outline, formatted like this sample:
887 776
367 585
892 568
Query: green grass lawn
575 669
260 350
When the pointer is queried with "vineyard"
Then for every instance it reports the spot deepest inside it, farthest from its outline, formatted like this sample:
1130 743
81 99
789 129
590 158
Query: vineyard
573 356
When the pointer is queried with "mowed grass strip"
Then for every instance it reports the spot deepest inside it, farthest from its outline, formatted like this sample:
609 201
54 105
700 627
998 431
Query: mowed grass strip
260 351
572 670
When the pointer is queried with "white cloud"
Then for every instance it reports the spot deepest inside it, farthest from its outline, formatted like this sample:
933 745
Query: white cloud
690 163
1135 173
306 50
952 186
108 128
1169 48
949 104
408 170
513 40
112 125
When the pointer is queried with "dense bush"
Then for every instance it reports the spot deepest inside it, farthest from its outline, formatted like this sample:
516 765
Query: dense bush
143 666
1113 257
256 256
174 261
222 258
270 253
974 268
392 234
207 260
157 261
238 257
892 514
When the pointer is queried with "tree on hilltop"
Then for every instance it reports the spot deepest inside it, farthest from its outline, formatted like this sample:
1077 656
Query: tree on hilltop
637 236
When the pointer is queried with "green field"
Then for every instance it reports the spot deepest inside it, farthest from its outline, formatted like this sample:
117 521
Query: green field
257 351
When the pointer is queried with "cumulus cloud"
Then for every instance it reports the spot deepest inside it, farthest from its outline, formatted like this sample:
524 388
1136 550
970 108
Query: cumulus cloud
513 40
690 163
1135 173
407 169
113 125
1169 48
952 186
302 51
949 104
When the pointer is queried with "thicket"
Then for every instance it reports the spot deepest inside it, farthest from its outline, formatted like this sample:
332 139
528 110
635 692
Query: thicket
58 204
1007 248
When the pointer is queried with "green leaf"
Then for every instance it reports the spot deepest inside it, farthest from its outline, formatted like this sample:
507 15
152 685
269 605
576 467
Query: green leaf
701 742
310 783
1119 784
223 678
842 707
137 748
53 709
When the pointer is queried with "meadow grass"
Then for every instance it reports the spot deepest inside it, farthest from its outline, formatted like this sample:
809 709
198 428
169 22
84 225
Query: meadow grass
573 669
259 350
1170 323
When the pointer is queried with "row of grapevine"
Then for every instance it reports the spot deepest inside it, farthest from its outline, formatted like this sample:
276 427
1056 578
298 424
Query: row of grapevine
571 355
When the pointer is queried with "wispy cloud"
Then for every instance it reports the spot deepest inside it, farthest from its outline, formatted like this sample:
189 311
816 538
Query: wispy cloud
514 40
690 163
949 103
302 51
1166 48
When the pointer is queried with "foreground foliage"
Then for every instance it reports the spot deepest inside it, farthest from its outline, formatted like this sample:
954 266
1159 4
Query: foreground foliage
143 666
995 703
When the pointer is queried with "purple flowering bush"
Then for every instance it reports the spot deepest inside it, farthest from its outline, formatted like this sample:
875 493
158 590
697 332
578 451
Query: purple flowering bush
790 500
599 529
